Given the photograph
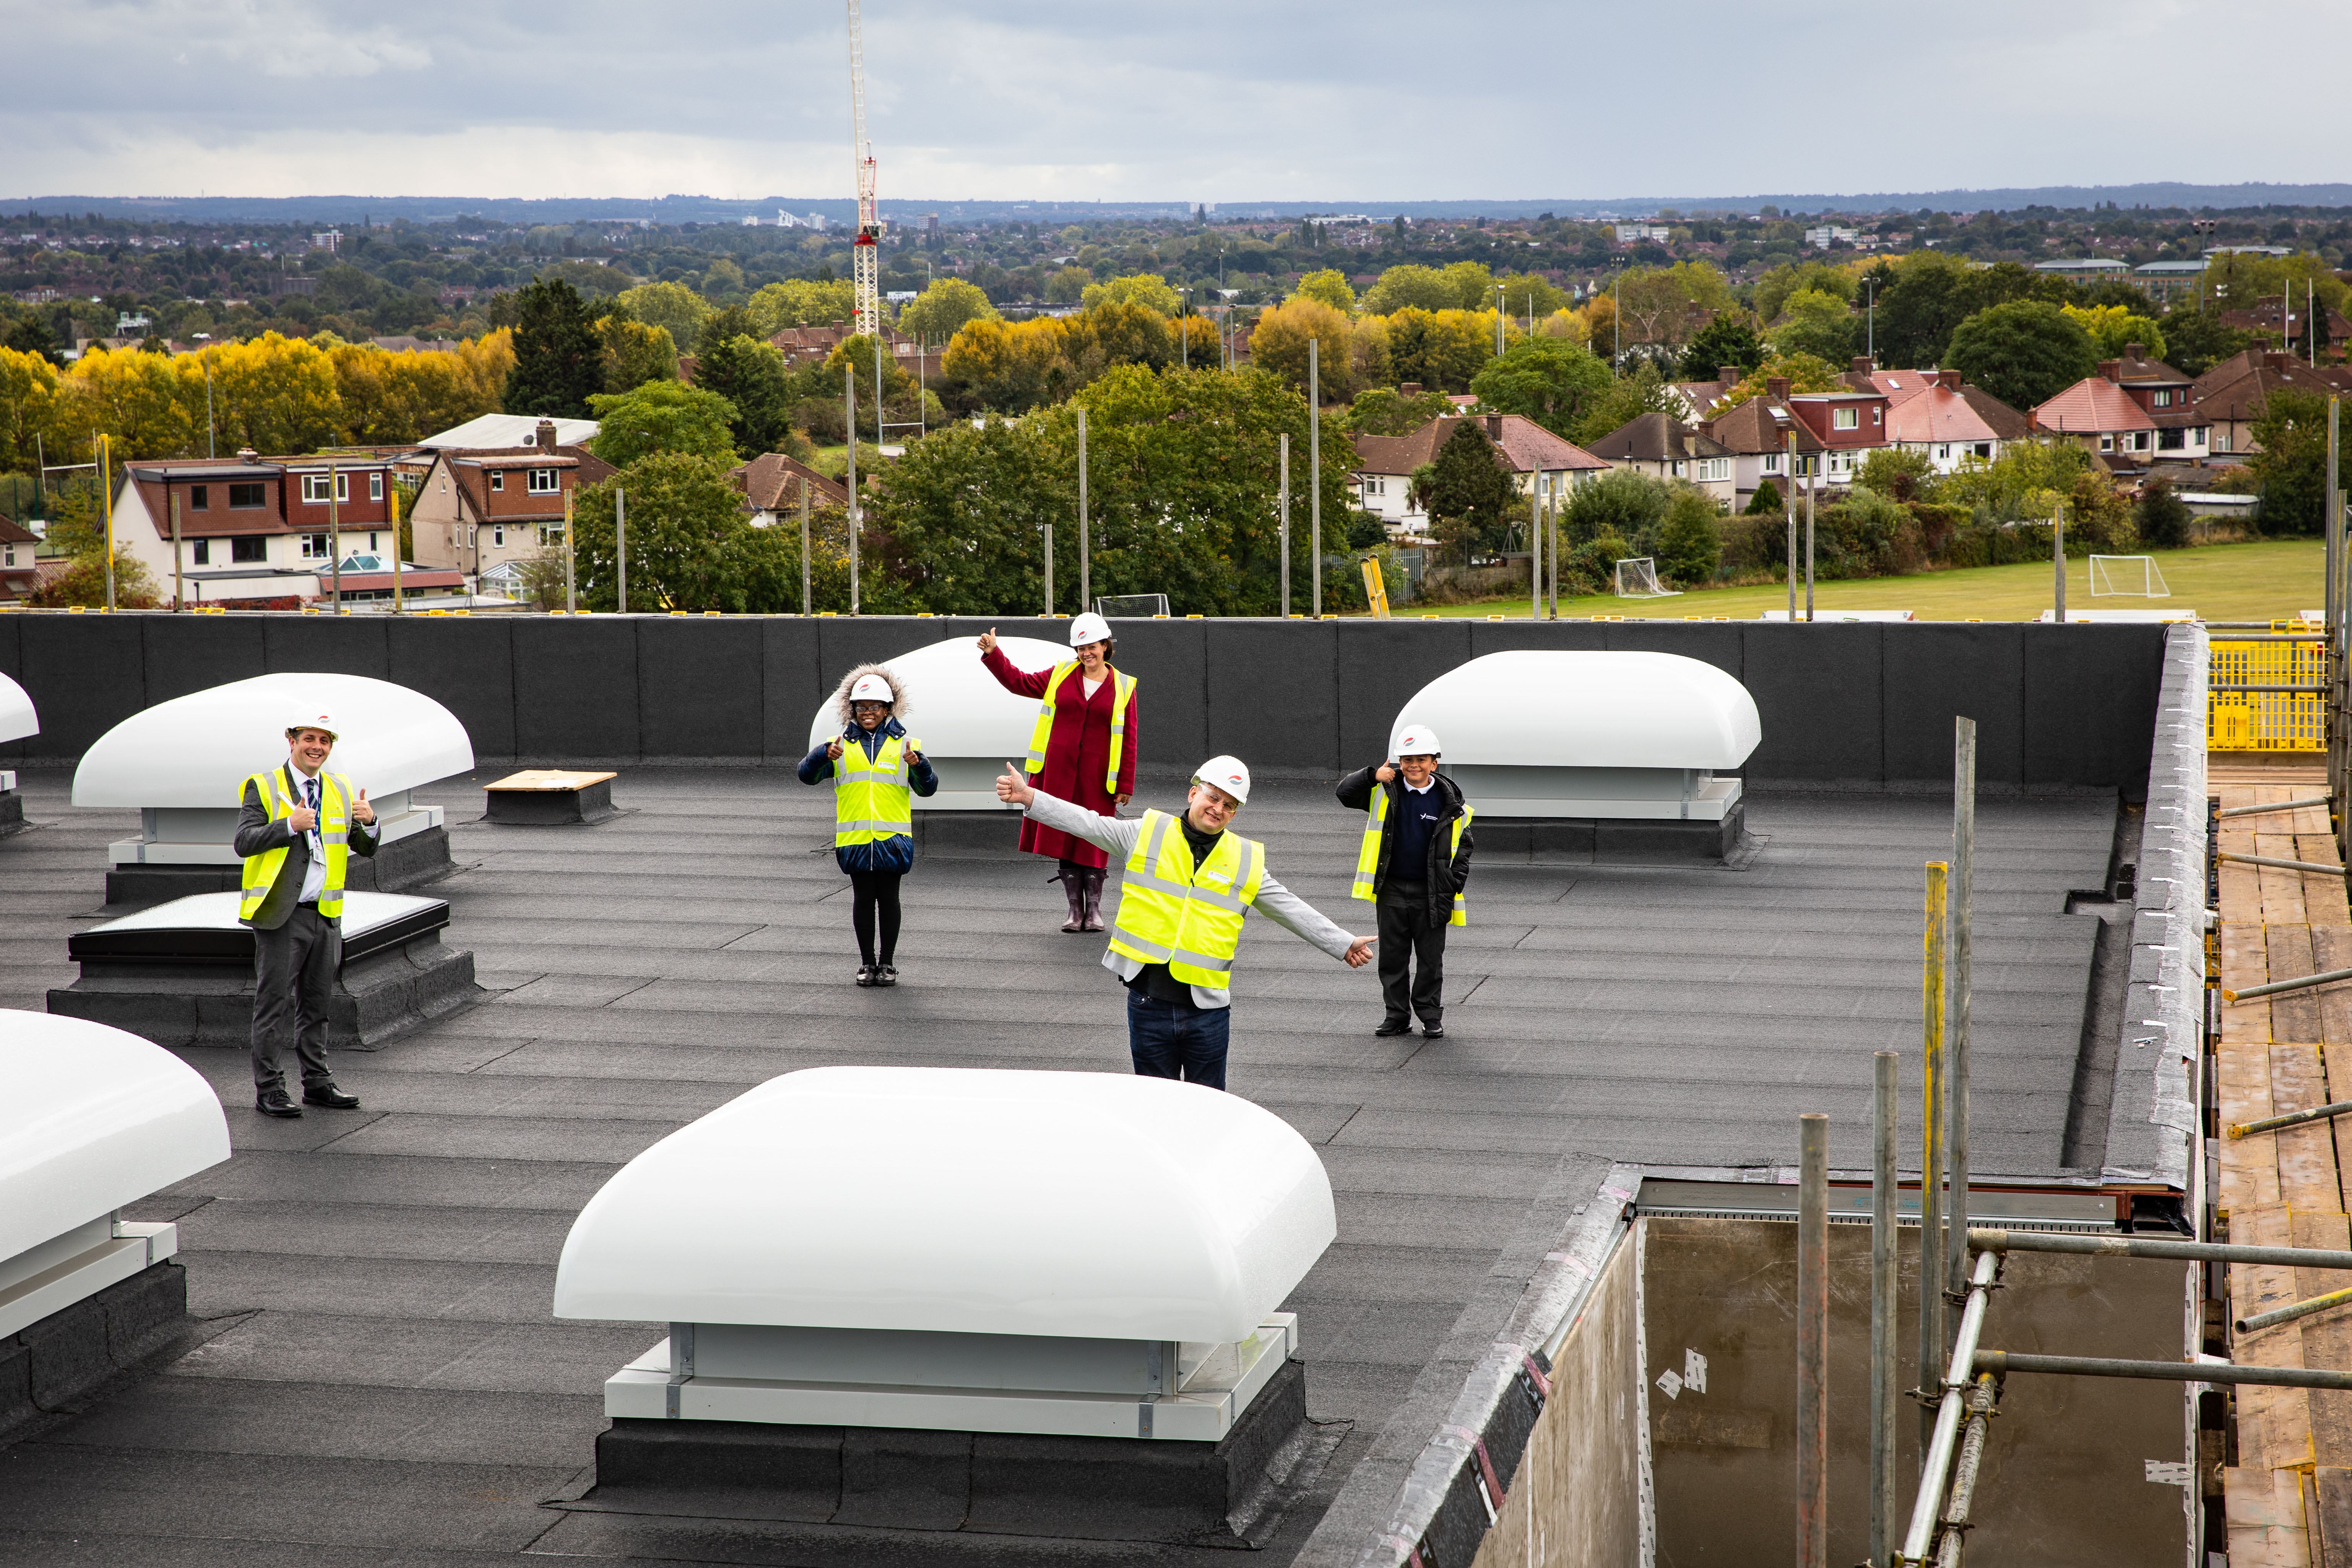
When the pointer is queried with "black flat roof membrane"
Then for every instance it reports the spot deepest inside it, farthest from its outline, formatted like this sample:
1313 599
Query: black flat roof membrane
379 1372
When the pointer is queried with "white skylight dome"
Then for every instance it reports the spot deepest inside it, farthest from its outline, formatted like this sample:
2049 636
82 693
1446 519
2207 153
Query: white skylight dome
194 751
17 719
970 726
1588 710
1042 1204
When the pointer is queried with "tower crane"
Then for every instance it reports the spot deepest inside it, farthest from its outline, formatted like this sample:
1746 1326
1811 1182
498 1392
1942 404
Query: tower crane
866 251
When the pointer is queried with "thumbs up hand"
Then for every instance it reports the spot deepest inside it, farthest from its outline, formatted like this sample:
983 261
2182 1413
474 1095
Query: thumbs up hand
1012 789
361 812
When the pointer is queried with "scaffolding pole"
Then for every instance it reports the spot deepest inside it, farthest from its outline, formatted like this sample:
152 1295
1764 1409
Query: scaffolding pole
1931 1160
1956 1013
1981 1399
1943 1439
1885 1309
1812 1340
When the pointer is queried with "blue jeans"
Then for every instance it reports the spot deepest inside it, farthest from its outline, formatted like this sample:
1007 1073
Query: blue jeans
1176 1039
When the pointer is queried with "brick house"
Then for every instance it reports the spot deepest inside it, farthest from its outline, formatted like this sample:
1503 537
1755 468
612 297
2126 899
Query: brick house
2232 394
771 485
1664 447
2096 414
481 508
19 575
1766 440
253 530
1540 463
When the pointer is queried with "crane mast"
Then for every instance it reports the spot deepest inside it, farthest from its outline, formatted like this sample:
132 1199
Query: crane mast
866 250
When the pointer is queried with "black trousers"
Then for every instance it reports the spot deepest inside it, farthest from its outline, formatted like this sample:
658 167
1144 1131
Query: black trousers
874 901
293 983
1407 933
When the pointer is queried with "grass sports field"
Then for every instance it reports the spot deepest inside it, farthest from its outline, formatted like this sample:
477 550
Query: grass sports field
2264 579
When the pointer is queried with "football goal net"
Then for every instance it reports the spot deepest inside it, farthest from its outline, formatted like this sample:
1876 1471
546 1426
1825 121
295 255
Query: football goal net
2130 577
1638 579
1130 607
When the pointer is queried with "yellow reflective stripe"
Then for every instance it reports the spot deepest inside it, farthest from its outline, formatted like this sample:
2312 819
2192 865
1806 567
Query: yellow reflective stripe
1134 946
875 824
1043 730
1158 883
1221 967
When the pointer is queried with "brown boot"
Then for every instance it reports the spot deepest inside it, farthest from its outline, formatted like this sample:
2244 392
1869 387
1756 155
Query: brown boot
1074 885
1094 921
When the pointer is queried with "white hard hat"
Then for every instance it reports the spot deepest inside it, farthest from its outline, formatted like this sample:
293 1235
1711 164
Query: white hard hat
1418 741
1230 774
1088 627
872 688
312 721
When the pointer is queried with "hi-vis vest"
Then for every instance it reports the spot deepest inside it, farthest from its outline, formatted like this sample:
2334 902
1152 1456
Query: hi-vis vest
1367 855
334 833
1122 692
871 800
1190 921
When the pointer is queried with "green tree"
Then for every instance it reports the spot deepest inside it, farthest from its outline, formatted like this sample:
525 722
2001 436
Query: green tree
2026 483
673 307
1468 491
1766 501
1384 411
751 376
691 547
662 416
1690 542
1924 296
32 335
1421 287
1815 322
1526 294
1786 281
720 326
1626 399
1441 349
2025 353
2163 520
1620 504
1067 285
941 309
2196 339
1330 287
559 360
634 353
799 302
2290 463
1728 340
1898 473
2113 330
1551 381
1148 290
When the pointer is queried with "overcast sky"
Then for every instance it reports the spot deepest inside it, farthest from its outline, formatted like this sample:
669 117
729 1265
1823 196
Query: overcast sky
1212 101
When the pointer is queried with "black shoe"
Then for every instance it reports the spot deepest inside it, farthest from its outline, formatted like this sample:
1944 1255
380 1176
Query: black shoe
866 972
1433 1031
886 974
274 1102
328 1095
1392 1027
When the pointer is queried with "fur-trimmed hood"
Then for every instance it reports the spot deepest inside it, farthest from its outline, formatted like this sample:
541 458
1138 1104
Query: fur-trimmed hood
898 691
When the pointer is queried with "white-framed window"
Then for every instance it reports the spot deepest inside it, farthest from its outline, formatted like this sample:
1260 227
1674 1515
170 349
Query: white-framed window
375 487
2221 442
1877 415
497 482
543 481
1679 467
203 555
2164 397
2107 443
1943 454
314 488
498 534
2197 435
11 555
2139 442
1846 419
314 547
550 536
1712 470
1771 464
1375 485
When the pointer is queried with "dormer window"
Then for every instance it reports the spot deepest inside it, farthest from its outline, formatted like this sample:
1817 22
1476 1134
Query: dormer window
497 482
1846 419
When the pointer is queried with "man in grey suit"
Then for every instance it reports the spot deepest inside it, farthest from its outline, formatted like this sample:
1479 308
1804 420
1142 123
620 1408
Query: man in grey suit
296 829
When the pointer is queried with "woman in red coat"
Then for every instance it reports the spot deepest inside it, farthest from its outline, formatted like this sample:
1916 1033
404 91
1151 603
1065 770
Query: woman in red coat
1083 750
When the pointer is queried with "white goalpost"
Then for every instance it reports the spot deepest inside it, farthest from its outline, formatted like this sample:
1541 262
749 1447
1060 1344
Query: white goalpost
1638 579
2128 576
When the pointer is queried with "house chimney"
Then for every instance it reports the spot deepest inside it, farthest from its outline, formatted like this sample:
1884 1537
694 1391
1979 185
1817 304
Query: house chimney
547 434
2276 359
1494 426
1776 386
2110 369
1728 374
1862 365
2134 352
1409 389
247 455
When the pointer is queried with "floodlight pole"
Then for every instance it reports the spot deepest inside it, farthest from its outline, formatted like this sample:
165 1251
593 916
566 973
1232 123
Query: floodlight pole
1285 525
1315 474
621 550
1085 571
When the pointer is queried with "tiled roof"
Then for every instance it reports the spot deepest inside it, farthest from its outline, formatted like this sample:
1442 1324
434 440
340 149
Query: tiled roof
2093 404
1525 447
2005 422
1657 438
2237 388
2146 372
1936 414
772 482
15 533
1760 425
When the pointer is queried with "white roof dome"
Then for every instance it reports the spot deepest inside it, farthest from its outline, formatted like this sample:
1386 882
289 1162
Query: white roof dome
93 1118
1539 709
1093 1206
195 750
957 708
17 719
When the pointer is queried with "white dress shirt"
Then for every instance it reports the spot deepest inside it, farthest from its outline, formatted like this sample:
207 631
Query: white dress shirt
314 875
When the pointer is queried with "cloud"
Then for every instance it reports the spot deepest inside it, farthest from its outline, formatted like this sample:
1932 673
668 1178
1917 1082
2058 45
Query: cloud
1219 101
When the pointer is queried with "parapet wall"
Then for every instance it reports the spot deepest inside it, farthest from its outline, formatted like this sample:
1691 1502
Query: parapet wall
1846 703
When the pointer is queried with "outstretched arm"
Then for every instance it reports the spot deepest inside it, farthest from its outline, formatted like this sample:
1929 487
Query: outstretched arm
1010 675
1305 922
1115 835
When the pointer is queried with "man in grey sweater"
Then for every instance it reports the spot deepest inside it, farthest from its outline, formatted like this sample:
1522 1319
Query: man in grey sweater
1186 886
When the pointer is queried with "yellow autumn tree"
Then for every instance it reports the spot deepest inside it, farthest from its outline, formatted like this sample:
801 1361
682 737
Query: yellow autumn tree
28 394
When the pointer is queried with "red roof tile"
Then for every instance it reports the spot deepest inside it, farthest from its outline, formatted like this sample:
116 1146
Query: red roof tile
2091 405
1936 414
